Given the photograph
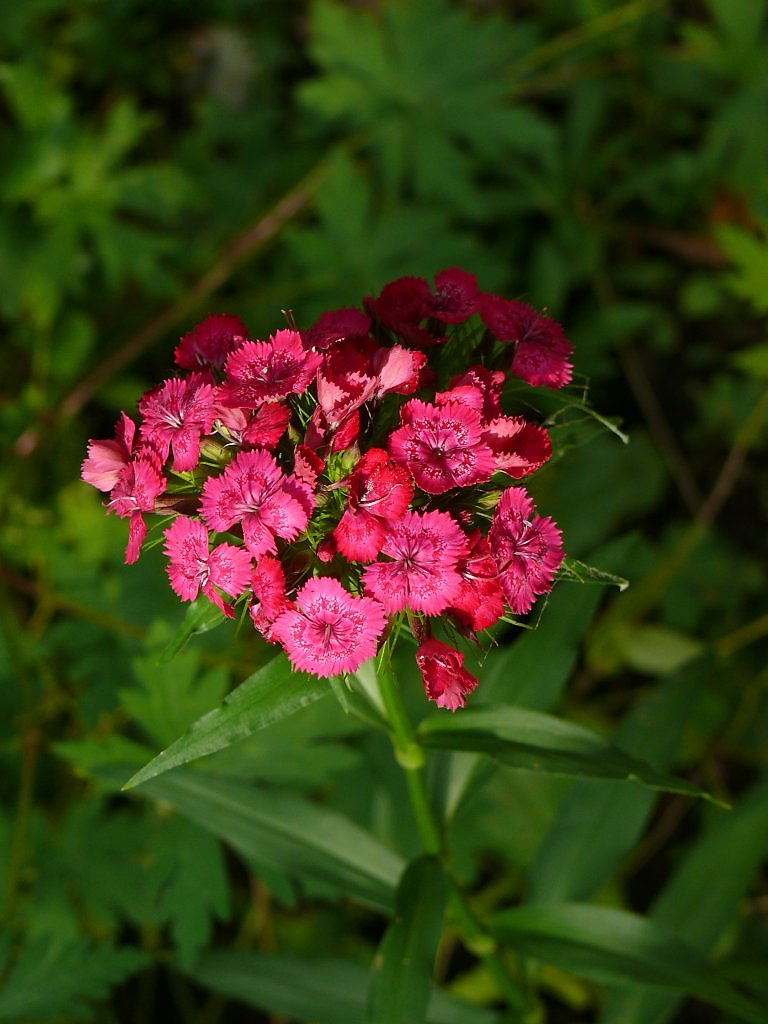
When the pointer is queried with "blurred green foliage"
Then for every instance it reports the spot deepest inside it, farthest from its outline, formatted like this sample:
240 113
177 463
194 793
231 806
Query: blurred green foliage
605 160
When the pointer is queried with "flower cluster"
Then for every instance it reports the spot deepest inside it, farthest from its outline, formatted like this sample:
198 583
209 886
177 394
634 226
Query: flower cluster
339 484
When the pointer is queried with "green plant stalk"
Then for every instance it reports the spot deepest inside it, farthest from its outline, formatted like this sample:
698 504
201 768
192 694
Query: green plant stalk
411 758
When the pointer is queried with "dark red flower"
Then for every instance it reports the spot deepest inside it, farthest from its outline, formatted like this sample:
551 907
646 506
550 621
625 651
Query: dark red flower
446 681
209 343
542 352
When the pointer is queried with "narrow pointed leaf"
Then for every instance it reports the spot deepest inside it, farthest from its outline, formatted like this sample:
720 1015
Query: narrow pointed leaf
200 617
322 989
529 739
287 834
401 982
696 910
272 693
616 947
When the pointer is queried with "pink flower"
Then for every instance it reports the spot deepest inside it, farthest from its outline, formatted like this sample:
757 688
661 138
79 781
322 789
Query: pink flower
424 549
345 381
527 549
106 459
480 601
269 600
175 416
263 371
378 493
330 631
307 465
446 681
542 351
335 325
486 385
455 298
518 446
442 446
137 488
193 567
209 343
256 493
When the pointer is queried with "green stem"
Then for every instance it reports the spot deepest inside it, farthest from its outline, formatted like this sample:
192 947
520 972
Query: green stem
411 757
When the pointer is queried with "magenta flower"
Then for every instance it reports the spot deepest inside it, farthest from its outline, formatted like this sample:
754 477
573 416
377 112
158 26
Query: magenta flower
106 459
345 381
330 631
401 307
423 551
138 487
378 493
542 351
442 446
193 568
446 681
456 297
527 549
518 446
398 370
263 371
175 416
336 325
256 493
209 343
269 600
480 601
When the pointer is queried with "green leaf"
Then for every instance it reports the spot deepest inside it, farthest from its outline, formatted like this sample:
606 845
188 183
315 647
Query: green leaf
286 834
63 980
598 823
272 693
189 875
322 989
401 982
201 617
538 742
613 946
692 907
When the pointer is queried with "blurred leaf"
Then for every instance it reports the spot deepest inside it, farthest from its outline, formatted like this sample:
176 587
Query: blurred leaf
50 981
529 739
321 989
694 909
749 253
188 873
401 982
656 649
613 946
599 822
285 833
270 694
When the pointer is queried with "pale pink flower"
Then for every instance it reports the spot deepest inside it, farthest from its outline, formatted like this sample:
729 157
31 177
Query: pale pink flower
527 548
256 493
175 416
442 446
518 446
263 371
378 492
330 631
542 352
446 681
269 599
193 568
398 370
106 459
345 381
480 601
423 551
138 486
209 343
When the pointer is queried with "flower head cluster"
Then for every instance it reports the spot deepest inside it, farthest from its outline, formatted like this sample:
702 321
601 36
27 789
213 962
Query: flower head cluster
341 488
